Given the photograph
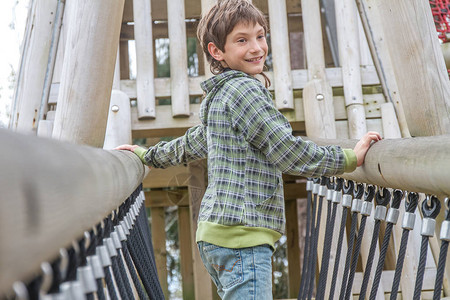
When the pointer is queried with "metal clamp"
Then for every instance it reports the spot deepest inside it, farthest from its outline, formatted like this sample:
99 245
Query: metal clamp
309 185
408 220
110 246
103 254
380 212
96 265
445 231
347 200
366 208
428 227
337 197
357 205
86 277
392 215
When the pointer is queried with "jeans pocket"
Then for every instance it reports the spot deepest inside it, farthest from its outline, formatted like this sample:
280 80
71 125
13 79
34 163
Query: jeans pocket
227 264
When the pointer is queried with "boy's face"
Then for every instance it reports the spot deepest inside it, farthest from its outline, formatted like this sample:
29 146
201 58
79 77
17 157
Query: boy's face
245 49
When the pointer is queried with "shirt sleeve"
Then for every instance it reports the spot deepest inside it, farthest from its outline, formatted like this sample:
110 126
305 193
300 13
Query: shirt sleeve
187 148
265 128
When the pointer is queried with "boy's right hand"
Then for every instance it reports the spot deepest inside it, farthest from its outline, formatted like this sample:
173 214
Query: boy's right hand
364 144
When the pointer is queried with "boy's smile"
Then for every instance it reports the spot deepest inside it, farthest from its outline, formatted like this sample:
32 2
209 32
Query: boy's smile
245 49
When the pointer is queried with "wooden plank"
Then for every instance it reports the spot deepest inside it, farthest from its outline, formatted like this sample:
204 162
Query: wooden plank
159 246
179 89
348 43
118 128
33 69
124 61
299 80
87 73
165 198
284 95
293 247
176 176
144 59
44 205
295 190
197 188
186 262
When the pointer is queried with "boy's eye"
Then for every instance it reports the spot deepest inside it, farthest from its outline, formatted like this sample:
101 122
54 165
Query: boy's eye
261 36
241 40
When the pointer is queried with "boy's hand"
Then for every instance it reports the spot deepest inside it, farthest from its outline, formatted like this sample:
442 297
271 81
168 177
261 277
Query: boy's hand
364 144
127 147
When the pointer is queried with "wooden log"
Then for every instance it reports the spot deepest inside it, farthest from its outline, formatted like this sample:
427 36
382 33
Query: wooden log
45 128
88 71
179 88
197 188
400 164
349 57
158 216
317 93
373 27
418 64
186 262
142 10
391 129
284 95
118 128
34 67
47 188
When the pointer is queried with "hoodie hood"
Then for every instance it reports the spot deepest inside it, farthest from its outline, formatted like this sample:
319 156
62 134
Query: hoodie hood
212 85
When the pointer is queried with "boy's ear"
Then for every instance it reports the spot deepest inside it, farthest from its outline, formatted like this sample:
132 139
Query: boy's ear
215 52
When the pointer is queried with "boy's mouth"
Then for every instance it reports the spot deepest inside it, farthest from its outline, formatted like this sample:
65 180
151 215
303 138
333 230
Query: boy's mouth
256 59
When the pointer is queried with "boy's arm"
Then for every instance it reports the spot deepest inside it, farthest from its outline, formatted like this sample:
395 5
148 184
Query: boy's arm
191 146
269 131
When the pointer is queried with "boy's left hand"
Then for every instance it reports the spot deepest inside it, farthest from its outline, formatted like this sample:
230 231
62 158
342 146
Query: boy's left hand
364 144
127 147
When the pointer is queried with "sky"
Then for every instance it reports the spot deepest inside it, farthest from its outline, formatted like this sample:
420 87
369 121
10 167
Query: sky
13 15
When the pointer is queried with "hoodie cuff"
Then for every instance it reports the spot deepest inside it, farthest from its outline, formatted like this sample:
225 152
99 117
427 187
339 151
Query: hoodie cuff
350 162
140 152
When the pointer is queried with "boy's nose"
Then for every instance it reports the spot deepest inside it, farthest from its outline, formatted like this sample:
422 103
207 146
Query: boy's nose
255 46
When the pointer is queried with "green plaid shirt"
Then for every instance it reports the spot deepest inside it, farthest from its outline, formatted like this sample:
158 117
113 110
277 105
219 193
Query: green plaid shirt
249 144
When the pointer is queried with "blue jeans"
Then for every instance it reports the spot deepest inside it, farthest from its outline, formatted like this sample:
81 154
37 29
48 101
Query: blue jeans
244 273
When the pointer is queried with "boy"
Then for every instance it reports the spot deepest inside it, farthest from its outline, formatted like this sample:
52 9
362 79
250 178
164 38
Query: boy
249 144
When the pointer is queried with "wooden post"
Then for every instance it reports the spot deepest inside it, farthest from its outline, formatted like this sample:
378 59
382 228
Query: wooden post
87 73
179 85
279 35
349 57
43 205
197 187
317 93
159 246
34 65
417 61
186 262
142 11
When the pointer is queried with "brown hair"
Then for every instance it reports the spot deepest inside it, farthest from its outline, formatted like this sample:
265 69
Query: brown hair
220 20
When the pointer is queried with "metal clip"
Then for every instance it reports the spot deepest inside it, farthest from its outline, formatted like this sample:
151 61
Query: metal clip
121 233
76 291
366 208
96 265
337 197
116 240
309 185
357 205
380 212
86 277
102 253
124 226
110 246
408 221
428 227
392 215
347 200
445 231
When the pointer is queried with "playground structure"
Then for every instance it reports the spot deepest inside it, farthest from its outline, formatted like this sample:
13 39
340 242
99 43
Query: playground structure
341 69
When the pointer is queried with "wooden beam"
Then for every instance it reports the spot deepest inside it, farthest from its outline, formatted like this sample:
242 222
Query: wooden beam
284 95
34 66
179 88
158 216
197 188
417 63
118 128
299 80
349 58
44 205
87 73
400 164
293 248
186 262
144 59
